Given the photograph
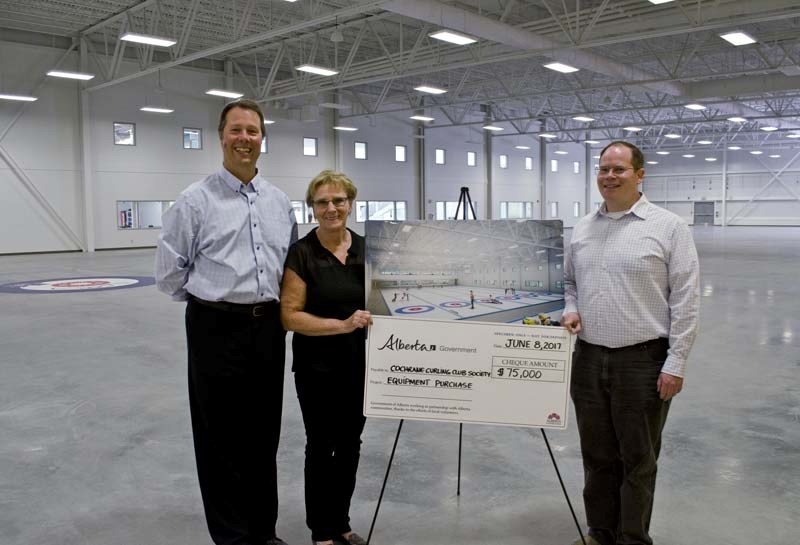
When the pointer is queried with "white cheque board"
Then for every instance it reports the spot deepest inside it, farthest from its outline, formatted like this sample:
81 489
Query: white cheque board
477 372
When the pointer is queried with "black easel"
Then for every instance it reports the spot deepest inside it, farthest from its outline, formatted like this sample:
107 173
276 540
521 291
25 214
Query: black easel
464 200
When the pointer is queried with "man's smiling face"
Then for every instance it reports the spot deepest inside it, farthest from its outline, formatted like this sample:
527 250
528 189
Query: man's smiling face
241 140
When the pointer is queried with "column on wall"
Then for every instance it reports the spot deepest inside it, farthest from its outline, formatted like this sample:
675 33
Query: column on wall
543 177
725 184
419 170
86 156
487 151
587 160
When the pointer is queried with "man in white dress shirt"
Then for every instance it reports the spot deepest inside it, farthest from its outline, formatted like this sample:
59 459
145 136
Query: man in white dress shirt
222 249
632 295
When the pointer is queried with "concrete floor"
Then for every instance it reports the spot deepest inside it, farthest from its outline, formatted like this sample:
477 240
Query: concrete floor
95 440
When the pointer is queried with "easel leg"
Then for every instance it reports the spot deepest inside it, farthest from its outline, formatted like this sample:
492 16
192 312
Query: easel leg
563 488
460 433
385 478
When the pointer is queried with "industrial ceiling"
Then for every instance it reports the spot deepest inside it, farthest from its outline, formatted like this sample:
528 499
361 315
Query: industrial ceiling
639 63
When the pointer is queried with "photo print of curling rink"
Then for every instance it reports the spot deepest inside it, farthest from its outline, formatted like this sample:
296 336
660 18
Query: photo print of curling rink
506 271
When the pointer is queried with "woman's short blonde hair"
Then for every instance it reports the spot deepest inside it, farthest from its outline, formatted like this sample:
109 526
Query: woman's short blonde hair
331 177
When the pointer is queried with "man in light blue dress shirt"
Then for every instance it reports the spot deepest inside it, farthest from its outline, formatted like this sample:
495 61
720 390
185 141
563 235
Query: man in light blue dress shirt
222 249
631 288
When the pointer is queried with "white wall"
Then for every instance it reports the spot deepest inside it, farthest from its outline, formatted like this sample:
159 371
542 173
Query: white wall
443 182
44 144
514 183
379 177
676 183
565 186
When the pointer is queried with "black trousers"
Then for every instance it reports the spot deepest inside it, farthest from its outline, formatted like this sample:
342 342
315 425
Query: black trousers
236 365
332 407
620 418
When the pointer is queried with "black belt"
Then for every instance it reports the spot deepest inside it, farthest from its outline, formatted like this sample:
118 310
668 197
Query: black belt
659 342
255 310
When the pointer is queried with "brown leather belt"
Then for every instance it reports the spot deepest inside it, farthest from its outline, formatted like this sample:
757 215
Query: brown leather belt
254 310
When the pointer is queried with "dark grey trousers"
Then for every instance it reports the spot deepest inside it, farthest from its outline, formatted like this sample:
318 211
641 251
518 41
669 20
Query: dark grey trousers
620 418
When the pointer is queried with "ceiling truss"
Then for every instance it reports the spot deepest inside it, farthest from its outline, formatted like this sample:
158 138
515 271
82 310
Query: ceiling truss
640 63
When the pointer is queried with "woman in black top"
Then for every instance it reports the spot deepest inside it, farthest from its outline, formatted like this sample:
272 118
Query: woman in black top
322 298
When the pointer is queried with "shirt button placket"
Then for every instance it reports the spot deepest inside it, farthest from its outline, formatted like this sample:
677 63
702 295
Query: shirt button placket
257 243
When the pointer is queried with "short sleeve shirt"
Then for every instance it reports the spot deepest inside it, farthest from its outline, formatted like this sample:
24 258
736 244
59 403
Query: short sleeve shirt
333 290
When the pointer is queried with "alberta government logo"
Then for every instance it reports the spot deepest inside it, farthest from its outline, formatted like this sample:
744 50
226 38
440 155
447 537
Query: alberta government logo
398 344
554 418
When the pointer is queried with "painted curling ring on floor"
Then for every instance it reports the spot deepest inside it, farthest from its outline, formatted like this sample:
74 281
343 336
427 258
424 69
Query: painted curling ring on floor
416 309
81 284
454 304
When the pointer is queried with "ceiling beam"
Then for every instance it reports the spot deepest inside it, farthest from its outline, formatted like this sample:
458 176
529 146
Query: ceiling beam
244 42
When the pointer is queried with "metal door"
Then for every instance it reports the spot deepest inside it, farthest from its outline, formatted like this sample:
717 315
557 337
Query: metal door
703 213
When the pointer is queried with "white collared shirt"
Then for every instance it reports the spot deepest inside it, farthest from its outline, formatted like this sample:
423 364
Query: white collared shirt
223 240
634 279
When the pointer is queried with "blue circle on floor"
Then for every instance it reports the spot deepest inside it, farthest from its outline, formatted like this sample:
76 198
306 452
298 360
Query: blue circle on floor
509 297
79 284
454 304
416 309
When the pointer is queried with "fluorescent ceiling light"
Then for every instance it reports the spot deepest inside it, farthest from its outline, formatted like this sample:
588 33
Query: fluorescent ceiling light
756 152
769 128
149 40
583 118
652 162
591 141
631 129
561 67
736 119
660 1
156 110
695 107
430 89
546 135
521 147
421 118
334 106
453 37
560 152
18 97
662 153
344 128
672 135
70 75
492 128
774 156
318 70
269 122
737 38
704 142
734 148
224 93
711 159
687 155
595 157
793 135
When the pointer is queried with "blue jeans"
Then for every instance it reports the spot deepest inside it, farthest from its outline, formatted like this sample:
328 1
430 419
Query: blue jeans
620 418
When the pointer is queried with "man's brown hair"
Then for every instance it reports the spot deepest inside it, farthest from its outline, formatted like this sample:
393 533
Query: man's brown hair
245 104
637 157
